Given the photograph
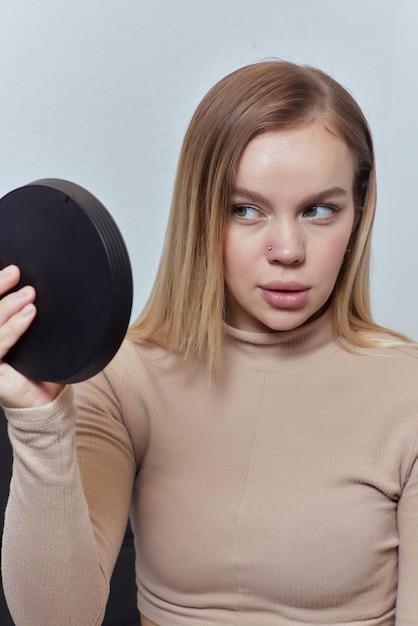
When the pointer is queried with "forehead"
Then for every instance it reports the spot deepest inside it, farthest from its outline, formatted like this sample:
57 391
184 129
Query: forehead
305 157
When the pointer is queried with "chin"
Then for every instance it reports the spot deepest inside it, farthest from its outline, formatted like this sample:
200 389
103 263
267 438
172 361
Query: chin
291 323
276 327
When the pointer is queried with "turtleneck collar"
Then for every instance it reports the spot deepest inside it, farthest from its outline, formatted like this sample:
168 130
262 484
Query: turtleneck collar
274 350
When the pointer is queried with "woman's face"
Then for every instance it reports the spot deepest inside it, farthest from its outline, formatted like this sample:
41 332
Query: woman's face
292 215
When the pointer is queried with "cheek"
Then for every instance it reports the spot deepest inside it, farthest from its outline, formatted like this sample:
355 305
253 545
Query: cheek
333 253
338 244
233 253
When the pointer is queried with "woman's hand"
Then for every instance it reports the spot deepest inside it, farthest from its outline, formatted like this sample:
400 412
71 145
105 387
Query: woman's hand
17 311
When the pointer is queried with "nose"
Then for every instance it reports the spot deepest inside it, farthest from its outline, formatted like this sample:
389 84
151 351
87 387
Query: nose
285 245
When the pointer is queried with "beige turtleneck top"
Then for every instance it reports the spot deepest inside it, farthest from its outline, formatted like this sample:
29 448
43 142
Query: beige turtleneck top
284 493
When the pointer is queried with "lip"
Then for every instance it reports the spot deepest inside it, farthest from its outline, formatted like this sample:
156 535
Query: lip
285 295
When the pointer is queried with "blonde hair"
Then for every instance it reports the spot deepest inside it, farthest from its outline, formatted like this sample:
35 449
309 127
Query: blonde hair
185 309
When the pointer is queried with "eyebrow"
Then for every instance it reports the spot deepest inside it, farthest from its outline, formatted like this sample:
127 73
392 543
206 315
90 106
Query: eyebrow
325 194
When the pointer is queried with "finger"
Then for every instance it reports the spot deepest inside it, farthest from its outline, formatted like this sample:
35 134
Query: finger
9 277
14 302
16 324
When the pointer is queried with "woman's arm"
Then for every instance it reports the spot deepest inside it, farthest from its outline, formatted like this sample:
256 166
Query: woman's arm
60 542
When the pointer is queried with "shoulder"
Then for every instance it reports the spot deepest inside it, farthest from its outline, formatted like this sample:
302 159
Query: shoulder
386 358
117 400
125 373
139 356
144 368
384 376
392 354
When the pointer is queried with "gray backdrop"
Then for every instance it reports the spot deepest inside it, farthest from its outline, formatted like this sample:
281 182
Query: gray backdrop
100 92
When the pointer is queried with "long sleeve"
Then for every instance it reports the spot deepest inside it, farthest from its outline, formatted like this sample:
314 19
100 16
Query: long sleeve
407 596
56 563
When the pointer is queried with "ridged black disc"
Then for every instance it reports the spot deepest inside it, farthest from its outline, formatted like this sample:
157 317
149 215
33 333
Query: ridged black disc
69 248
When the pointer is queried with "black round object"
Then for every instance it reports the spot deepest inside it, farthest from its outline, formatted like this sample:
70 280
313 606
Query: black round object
69 248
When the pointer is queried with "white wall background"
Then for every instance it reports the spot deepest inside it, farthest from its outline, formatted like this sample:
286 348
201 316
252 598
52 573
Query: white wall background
100 92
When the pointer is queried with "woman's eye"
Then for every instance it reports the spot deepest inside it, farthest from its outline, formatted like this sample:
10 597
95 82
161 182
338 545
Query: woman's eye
320 211
245 211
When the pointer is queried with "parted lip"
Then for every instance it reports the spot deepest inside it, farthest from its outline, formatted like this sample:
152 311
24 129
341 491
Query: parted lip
278 285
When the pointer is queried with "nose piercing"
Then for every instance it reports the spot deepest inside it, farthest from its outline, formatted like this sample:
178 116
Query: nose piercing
270 248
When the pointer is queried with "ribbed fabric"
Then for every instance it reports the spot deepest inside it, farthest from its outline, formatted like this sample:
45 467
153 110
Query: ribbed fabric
284 493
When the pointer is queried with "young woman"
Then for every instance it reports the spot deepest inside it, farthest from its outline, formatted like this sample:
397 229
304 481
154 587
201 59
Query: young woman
257 426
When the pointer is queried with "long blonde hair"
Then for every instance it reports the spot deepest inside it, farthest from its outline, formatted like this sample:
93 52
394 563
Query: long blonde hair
185 309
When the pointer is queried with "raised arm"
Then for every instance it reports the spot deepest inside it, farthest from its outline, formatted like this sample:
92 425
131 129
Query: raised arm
68 508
